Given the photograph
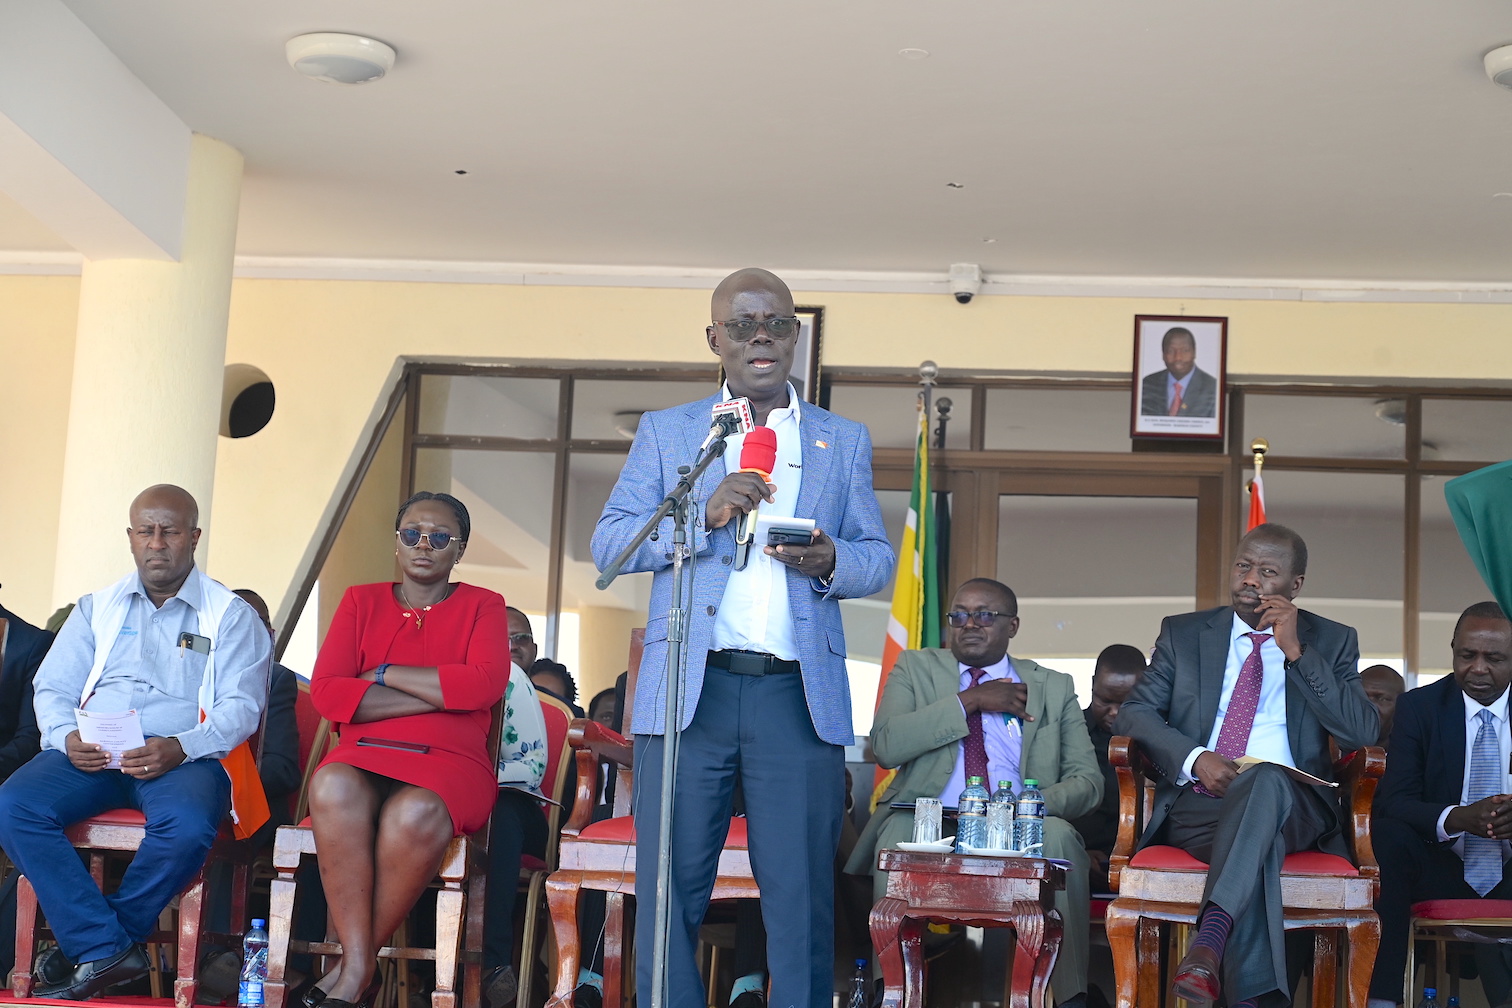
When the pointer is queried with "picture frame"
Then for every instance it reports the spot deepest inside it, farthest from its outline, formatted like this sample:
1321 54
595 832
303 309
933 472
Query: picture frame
805 373
1198 412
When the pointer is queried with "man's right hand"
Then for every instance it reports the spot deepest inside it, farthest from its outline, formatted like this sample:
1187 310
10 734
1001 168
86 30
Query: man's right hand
1214 772
1489 817
85 755
996 695
736 495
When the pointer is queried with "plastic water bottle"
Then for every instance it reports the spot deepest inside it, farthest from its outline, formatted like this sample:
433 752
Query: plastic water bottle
860 988
971 815
1430 998
1000 811
254 966
1029 821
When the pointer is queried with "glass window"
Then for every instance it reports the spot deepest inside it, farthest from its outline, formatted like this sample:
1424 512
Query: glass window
889 412
609 410
1045 419
508 495
1353 526
1448 583
1094 571
482 406
1326 426
1477 430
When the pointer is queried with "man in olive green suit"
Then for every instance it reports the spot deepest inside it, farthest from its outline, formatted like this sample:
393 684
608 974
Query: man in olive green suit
971 705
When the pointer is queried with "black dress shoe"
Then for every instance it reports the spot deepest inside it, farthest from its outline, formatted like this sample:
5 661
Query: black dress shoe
750 999
52 968
587 996
312 997
1197 977
91 978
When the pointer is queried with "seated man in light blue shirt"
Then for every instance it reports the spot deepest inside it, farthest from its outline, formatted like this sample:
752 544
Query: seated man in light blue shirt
974 710
143 645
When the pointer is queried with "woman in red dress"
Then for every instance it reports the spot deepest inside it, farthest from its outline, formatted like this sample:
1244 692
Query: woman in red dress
409 673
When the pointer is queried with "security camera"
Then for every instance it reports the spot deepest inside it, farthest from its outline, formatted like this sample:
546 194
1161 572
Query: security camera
965 281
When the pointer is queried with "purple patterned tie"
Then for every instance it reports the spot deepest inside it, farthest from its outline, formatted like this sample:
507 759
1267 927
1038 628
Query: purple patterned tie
975 744
1233 737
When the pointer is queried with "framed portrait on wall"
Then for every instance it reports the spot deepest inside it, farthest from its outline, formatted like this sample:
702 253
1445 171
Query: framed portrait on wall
1180 377
805 374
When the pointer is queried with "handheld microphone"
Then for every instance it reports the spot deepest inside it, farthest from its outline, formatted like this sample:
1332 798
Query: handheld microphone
758 455
731 417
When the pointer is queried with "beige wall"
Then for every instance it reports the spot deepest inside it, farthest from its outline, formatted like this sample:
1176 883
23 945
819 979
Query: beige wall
329 347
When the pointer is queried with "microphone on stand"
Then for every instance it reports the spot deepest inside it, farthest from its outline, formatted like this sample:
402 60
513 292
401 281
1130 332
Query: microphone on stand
731 417
758 455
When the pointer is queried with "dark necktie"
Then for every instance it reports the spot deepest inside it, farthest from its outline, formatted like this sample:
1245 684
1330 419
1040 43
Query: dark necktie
976 745
1239 718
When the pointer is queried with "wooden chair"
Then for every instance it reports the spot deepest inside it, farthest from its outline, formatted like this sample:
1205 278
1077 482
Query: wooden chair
459 905
121 831
1163 885
533 871
601 855
1438 921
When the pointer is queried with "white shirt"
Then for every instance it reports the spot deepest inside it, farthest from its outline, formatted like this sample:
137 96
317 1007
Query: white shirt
1498 709
1003 740
755 614
1268 739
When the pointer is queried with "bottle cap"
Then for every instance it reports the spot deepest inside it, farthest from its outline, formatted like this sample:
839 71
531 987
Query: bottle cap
860 964
1430 992
973 780
1003 783
1030 782
258 922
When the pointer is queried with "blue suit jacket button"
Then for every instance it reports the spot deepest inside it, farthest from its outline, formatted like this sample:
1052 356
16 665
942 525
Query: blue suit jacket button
711 610
726 560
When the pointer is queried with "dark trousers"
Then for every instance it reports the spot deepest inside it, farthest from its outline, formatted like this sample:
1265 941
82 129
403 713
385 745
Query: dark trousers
1413 869
184 807
755 729
517 828
1244 836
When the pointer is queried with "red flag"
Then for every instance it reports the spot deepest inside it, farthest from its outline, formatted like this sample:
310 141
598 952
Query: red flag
1257 502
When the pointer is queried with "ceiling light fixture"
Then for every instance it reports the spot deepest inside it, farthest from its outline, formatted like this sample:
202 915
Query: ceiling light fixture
339 57
1498 64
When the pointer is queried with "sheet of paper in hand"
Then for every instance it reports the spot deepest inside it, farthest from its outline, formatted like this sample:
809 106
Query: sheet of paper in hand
116 732
1245 762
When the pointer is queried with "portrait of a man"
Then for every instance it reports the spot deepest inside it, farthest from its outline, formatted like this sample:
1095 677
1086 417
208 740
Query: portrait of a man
1179 369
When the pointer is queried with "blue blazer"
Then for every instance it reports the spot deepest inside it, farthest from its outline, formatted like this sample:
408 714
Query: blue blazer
836 492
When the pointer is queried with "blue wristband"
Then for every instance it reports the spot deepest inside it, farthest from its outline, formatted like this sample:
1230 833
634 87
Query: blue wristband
378 673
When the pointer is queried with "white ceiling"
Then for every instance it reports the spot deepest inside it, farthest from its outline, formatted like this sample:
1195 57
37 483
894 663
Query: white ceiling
1354 139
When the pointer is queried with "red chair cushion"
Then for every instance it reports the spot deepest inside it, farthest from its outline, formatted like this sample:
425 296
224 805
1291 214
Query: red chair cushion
1461 909
1164 858
529 863
118 817
622 830
1099 908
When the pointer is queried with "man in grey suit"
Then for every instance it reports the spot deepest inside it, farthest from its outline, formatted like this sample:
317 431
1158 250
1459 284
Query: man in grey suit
1260 678
1181 388
936 708
766 698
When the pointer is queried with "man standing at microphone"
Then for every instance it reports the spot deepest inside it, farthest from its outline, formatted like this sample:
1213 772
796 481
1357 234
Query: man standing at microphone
766 700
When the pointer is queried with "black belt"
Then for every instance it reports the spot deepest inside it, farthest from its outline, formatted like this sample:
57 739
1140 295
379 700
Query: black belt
750 663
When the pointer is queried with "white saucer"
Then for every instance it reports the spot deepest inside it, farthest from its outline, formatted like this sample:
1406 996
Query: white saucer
945 846
992 852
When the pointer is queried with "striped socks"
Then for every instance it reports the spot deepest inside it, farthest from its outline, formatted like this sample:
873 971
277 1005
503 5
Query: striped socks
1213 930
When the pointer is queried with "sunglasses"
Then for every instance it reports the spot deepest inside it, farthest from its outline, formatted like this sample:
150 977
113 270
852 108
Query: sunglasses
985 618
741 330
438 540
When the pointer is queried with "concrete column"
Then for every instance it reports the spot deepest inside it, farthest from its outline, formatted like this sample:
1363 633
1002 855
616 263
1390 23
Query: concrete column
148 362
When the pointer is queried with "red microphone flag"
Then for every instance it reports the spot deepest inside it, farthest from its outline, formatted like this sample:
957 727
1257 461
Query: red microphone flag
759 452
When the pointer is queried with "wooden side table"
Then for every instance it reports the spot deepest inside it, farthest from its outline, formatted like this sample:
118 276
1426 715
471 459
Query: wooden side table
970 890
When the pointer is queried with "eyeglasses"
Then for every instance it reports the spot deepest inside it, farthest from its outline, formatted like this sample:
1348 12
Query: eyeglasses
984 618
437 540
741 330
520 638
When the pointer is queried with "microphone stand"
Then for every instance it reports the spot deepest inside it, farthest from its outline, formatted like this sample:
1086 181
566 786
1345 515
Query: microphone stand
678 504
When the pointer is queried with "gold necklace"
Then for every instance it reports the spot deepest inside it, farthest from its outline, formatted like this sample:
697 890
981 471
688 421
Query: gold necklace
419 614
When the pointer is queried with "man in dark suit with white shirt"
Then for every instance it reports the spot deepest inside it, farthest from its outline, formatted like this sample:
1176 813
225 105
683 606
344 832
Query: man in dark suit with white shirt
1442 816
1181 388
1260 678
